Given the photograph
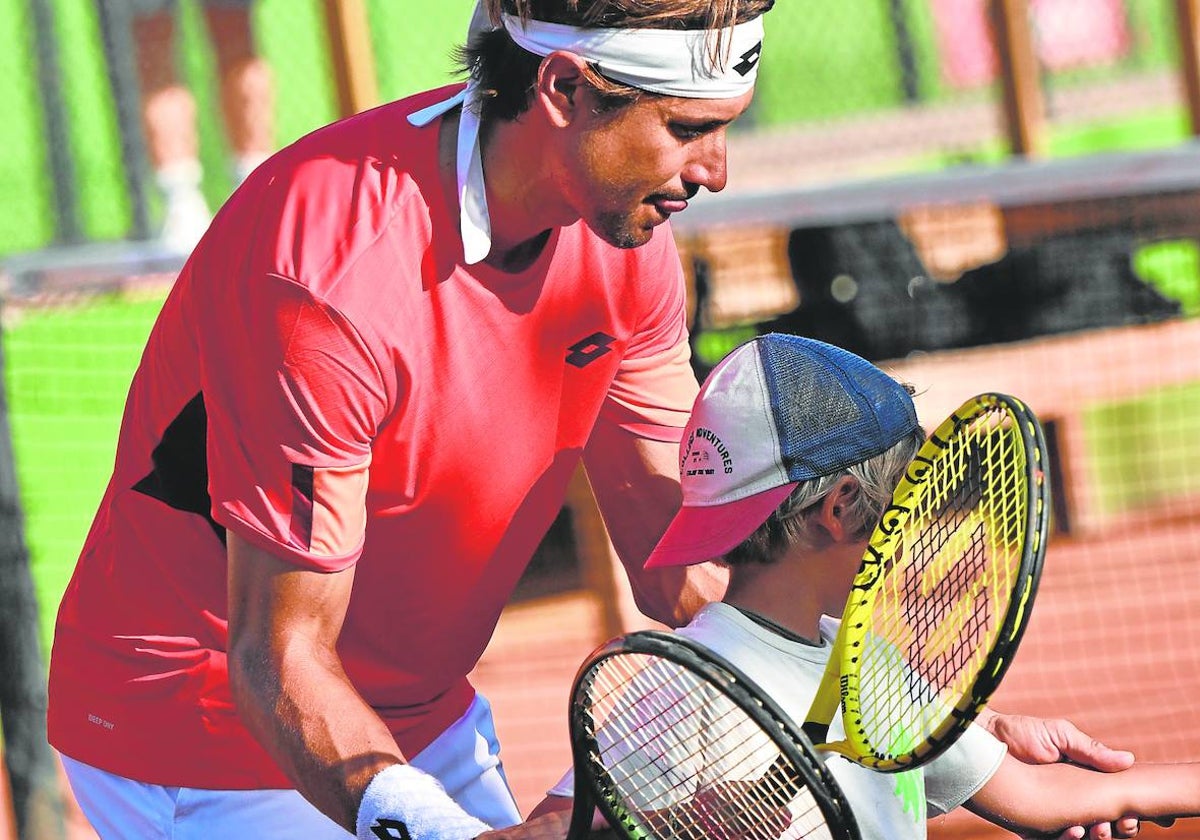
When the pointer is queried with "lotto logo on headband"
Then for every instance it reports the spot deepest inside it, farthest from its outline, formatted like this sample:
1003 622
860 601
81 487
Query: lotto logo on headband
749 59
666 61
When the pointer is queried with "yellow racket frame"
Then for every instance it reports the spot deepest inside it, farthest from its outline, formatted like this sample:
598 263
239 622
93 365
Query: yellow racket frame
841 681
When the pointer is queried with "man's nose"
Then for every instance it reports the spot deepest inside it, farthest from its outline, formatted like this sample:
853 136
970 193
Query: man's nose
708 164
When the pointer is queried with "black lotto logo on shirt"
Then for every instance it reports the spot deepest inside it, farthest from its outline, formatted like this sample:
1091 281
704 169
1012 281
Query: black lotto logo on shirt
697 459
387 829
587 350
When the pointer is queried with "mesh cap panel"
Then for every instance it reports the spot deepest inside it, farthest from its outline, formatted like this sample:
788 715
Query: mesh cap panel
831 408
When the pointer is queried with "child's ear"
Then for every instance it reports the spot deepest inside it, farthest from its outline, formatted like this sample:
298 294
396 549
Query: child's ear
835 509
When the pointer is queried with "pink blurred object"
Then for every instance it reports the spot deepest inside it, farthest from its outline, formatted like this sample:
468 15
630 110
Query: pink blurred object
1068 34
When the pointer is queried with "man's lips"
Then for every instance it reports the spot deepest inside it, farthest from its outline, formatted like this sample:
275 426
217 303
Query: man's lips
666 205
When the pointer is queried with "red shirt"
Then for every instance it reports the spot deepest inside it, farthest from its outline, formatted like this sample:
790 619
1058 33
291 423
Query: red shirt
329 381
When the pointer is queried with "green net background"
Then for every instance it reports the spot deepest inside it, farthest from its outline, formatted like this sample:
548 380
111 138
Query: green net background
828 62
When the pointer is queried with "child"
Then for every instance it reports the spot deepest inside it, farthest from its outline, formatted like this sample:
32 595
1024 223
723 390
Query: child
787 462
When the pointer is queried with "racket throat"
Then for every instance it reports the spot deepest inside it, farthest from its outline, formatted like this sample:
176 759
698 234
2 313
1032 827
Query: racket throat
818 733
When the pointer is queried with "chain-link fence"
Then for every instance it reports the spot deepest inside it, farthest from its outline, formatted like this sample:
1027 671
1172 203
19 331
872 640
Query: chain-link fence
847 88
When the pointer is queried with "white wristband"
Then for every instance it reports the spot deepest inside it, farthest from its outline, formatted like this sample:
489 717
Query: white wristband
402 803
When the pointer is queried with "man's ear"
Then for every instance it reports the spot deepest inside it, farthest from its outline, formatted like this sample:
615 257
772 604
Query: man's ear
560 82
835 508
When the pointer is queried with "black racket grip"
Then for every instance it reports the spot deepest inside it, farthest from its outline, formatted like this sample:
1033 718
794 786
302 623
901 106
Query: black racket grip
581 820
584 805
817 732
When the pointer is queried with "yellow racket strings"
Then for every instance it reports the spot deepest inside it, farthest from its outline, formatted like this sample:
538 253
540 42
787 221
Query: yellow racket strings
679 759
942 599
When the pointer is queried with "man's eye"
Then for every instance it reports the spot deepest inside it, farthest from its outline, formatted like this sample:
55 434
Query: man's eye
688 132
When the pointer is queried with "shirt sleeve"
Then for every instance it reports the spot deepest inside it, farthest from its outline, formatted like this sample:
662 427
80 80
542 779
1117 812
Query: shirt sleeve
652 393
293 398
957 774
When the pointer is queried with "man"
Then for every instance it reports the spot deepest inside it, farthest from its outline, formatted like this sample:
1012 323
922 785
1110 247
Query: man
790 516
357 416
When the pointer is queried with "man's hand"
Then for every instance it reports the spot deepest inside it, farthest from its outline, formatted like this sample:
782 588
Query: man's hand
1046 741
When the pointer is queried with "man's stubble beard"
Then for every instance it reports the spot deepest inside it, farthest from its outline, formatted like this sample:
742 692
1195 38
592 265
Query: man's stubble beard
620 231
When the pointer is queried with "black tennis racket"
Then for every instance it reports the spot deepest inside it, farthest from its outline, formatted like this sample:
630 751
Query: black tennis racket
674 743
945 590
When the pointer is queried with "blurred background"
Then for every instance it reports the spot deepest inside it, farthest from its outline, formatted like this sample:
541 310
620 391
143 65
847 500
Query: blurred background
977 194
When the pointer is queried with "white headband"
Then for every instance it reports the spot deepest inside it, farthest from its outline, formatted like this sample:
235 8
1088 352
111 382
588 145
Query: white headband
664 61
667 61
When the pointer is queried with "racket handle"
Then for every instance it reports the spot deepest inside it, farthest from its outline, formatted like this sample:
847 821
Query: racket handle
583 802
581 820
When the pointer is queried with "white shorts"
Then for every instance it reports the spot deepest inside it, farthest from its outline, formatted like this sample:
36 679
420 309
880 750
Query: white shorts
465 759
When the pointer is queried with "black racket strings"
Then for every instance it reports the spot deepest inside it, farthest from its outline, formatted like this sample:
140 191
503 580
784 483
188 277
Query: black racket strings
681 756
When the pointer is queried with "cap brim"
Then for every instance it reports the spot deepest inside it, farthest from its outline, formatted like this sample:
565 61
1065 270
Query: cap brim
698 533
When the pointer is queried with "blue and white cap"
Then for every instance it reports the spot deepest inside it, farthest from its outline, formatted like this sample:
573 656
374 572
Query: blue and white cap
778 410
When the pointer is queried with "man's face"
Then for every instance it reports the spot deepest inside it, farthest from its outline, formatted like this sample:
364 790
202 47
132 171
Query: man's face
634 166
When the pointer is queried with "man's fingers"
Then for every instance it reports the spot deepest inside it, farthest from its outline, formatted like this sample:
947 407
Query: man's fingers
1126 828
1078 748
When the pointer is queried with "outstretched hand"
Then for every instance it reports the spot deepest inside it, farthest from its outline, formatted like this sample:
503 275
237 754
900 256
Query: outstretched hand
1036 740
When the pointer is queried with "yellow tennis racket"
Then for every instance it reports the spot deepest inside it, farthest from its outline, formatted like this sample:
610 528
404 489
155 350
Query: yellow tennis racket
944 593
